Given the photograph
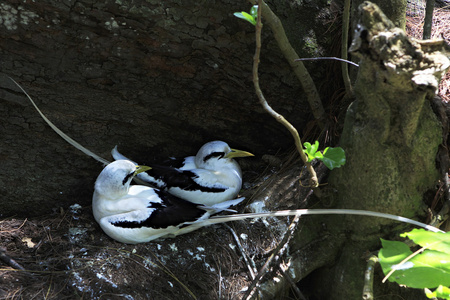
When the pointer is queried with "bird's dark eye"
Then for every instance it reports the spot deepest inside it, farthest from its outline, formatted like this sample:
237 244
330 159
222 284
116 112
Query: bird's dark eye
214 154
125 180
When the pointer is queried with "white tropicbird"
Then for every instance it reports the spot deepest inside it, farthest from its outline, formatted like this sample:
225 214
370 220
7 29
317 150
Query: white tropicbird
136 213
210 177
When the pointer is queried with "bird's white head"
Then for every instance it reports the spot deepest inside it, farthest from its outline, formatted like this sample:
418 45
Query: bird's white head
114 181
216 153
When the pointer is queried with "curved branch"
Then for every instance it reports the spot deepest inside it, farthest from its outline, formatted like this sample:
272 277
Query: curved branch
312 95
298 143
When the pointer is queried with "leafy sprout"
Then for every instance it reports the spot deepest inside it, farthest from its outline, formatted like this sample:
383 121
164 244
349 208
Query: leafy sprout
250 17
331 157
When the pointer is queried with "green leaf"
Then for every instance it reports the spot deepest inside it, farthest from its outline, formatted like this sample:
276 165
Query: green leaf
307 151
431 240
307 147
427 270
315 147
254 12
331 157
318 155
311 150
245 16
441 292
334 157
392 253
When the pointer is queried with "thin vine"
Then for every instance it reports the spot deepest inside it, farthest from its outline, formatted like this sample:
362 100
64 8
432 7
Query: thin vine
314 182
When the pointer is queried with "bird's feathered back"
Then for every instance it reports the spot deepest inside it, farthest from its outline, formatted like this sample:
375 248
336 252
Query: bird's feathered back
211 177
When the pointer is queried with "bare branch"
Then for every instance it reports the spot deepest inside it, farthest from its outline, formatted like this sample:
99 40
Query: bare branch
289 53
298 143
8 260
368 278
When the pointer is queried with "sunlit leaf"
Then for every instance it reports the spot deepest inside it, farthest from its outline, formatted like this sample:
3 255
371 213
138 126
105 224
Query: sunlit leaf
392 253
441 292
245 16
254 11
311 150
426 270
331 157
318 155
431 240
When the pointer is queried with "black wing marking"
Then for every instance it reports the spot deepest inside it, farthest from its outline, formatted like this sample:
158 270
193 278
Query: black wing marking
173 211
174 162
182 179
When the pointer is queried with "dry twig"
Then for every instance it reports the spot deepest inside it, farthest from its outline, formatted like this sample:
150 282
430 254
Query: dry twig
294 286
249 262
368 278
276 253
9 261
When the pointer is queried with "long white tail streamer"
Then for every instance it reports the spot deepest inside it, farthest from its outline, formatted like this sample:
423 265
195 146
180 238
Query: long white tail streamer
237 217
62 134
281 213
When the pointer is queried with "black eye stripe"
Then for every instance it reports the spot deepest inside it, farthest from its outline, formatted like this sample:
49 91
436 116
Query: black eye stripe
214 154
125 180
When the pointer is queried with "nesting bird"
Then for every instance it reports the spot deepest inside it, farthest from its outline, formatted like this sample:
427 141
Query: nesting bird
137 214
210 177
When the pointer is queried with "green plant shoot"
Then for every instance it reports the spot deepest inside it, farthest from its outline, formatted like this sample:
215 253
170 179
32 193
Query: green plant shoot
331 157
252 17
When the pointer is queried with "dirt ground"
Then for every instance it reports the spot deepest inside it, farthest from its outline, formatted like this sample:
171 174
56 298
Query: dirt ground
67 256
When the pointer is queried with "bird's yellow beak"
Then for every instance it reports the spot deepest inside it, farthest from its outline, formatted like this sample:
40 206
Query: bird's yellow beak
140 169
238 153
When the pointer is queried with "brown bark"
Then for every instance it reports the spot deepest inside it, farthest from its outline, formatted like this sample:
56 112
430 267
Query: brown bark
428 20
157 78
391 137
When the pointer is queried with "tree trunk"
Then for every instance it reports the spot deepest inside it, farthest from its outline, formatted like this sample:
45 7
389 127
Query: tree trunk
157 78
428 20
391 137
